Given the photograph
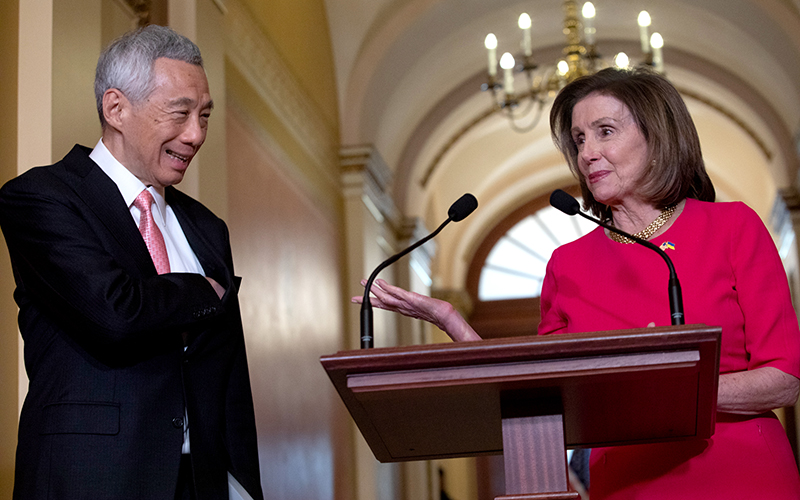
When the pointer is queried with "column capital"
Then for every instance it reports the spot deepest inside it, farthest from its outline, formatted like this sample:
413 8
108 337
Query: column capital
365 174
459 298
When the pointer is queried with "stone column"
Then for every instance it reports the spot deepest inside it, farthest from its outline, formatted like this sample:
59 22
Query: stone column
785 225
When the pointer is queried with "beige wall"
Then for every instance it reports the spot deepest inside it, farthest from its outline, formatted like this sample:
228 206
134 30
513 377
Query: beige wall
285 216
204 23
74 56
287 250
9 32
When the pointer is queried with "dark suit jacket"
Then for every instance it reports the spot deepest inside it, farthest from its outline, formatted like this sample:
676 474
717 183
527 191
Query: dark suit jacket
103 345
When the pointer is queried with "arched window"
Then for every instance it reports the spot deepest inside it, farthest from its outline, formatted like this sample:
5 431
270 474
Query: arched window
505 276
515 266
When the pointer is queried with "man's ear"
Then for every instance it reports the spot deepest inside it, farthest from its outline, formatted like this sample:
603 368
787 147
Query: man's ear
115 107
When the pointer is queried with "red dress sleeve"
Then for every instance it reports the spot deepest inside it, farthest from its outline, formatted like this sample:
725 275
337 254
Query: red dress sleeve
551 320
770 323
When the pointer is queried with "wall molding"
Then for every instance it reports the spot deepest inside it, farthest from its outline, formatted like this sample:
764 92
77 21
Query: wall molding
364 173
260 63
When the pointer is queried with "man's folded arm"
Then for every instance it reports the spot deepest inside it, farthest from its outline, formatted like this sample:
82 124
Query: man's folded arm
79 268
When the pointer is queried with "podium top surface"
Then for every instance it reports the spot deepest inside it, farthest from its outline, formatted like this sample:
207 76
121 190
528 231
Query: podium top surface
613 387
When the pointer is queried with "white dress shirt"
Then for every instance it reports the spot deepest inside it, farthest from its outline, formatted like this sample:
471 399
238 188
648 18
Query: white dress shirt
182 258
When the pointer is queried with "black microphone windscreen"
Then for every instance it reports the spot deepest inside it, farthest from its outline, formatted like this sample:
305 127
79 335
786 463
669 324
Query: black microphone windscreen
565 202
462 207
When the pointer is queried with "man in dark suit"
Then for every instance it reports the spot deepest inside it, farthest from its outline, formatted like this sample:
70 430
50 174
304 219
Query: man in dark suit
139 385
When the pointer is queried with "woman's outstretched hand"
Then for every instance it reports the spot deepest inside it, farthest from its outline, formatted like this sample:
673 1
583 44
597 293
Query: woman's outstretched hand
434 311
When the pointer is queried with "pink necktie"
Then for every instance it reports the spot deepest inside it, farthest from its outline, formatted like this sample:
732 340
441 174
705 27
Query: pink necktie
150 232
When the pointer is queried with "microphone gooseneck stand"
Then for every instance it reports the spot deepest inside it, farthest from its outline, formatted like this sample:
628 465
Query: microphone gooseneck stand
458 211
570 206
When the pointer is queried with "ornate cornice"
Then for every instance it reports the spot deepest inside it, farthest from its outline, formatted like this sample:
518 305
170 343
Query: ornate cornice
259 62
365 173
141 9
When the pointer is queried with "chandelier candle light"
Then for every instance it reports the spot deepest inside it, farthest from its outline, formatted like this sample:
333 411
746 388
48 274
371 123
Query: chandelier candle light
580 58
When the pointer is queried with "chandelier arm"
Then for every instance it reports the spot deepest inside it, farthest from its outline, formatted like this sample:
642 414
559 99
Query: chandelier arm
498 98
527 128
522 113
532 95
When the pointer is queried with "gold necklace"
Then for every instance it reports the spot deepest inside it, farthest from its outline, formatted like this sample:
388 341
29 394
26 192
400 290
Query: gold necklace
647 232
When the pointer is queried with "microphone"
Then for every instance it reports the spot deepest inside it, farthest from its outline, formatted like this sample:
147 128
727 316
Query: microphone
570 206
458 211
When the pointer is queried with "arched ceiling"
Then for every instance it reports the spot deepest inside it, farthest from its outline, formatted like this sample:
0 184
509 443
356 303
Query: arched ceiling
409 75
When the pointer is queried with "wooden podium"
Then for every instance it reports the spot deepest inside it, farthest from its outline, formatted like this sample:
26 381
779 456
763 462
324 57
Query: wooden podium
530 398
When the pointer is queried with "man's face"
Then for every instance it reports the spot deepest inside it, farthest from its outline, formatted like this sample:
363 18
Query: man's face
163 132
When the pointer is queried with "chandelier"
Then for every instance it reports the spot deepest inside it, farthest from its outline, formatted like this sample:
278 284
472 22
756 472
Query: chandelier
580 58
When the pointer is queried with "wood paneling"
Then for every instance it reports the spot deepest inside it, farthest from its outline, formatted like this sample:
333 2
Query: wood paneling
10 371
288 252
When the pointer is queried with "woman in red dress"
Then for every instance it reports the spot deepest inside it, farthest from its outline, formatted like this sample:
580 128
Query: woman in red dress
629 139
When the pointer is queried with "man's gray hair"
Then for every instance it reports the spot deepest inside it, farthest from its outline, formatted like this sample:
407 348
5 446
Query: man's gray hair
127 63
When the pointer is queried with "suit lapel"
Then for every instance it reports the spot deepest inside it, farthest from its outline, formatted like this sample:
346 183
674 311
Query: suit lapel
102 196
197 235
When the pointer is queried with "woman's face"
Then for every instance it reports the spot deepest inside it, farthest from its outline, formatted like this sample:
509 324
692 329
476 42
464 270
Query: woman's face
612 152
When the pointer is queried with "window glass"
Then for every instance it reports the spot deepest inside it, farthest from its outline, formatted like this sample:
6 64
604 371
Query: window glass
514 268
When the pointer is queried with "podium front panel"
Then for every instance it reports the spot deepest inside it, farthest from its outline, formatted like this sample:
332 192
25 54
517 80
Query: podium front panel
445 400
